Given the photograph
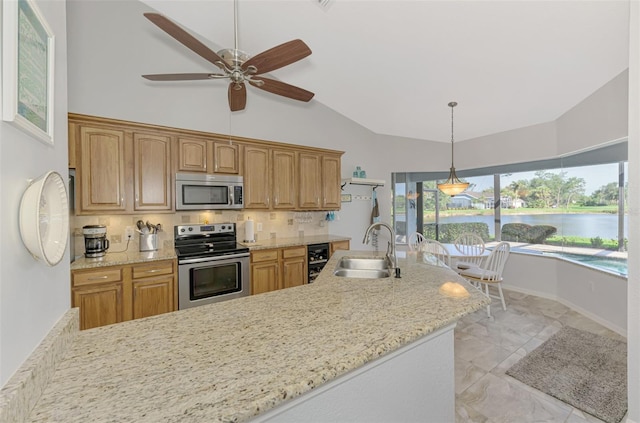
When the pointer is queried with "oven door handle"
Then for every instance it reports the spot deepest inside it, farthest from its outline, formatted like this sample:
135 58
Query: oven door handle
213 258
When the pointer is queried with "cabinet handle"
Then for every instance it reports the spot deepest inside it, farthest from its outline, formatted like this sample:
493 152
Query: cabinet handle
216 166
137 199
151 271
97 278
275 200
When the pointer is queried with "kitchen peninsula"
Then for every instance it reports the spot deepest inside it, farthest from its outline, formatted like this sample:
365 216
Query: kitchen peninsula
252 357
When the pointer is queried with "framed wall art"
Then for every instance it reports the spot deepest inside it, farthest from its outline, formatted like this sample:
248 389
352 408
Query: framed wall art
27 69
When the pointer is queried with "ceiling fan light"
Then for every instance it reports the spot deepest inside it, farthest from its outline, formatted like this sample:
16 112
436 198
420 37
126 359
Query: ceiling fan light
233 57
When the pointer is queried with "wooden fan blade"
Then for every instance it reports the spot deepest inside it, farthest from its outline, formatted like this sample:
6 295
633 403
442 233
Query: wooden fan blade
286 90
184 37
278 56
182 76
237 96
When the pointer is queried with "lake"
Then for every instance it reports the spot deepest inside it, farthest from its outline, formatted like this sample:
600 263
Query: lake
582 225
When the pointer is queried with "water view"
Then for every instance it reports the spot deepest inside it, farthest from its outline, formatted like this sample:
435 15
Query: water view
581 225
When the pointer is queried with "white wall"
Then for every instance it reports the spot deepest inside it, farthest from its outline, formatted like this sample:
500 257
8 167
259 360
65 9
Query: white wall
633 300
598 295
32 296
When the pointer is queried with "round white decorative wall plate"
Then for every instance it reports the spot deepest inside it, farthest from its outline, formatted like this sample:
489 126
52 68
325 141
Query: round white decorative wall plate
44 218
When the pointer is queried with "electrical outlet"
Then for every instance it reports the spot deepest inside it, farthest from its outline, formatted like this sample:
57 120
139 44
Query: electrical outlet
128 232
259 226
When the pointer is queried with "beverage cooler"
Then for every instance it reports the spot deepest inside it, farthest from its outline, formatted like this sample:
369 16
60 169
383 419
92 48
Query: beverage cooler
317 257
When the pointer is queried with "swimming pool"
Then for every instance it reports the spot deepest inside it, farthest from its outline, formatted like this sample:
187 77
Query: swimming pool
611 264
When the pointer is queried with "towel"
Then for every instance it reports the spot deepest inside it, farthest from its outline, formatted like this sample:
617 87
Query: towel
375 212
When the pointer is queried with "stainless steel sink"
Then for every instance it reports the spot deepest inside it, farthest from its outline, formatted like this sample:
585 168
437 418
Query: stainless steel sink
380 263
368 268
363 273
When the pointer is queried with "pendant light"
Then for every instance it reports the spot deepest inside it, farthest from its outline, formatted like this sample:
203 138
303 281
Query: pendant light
452 186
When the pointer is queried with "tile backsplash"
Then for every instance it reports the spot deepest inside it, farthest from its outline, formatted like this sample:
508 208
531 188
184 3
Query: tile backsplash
267 225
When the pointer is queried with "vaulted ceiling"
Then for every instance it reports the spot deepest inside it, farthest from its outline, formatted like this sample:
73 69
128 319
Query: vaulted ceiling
392 66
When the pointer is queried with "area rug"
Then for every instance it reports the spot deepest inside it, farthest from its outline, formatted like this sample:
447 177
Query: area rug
585 370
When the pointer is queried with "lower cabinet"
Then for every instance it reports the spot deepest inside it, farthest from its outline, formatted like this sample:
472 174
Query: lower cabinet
115 294
338 245
278 268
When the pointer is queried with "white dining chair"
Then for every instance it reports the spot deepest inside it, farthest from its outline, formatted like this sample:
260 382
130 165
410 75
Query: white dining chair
471 245
415 240
436 249
490 273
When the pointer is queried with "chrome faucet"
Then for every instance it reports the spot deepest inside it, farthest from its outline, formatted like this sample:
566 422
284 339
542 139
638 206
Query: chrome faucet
391 246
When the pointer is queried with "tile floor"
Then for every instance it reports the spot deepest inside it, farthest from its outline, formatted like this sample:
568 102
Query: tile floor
486 348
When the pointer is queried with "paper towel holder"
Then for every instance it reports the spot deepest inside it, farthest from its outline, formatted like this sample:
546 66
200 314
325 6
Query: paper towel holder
249 234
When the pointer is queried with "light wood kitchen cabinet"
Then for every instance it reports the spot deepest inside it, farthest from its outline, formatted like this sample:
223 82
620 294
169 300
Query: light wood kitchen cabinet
207 156
294 266
225 157
128 167
114 294
310 177
257 181
265 271
152 172
101 172
153 288
284 179
99 294
278 268
192 155
331 179
338 245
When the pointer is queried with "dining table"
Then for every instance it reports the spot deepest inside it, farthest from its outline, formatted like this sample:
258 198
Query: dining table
457 256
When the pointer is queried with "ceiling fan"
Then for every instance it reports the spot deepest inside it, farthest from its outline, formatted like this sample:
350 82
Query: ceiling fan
236 65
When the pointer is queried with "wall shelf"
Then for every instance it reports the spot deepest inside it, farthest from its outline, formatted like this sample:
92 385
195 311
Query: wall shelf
374 183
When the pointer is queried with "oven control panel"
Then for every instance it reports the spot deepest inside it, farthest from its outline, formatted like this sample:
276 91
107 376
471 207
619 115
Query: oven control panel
216 228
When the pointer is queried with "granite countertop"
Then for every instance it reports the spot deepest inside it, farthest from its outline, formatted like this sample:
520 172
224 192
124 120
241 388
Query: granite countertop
118 259
230 361
130 257
292 242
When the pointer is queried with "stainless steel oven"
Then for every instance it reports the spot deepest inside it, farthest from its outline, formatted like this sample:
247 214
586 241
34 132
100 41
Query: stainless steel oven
212 267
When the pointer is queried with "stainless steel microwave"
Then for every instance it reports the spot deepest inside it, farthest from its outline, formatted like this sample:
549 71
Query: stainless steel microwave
196 191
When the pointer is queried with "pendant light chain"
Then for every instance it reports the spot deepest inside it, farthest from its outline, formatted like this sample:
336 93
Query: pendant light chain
452 105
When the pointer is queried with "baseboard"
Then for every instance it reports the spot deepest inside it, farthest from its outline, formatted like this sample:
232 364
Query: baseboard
578 309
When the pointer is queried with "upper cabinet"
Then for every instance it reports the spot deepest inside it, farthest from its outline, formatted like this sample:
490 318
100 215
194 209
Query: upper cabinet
125 167
192 155
152 172
284 179
310 177
257 183
101 172
331 181
207 156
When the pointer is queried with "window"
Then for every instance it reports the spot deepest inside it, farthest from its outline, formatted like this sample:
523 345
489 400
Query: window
573 205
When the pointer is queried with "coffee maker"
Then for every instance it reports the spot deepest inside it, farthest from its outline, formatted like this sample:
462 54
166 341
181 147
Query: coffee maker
96 243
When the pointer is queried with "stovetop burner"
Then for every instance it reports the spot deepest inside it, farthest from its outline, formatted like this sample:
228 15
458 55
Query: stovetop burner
207 240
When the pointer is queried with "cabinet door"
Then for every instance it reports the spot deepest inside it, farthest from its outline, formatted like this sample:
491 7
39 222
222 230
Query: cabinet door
331 182
192 155
102 169
338 245
257 184
152 172
99 304
294 272
152 296
284 179
264 277
310 181
225 158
